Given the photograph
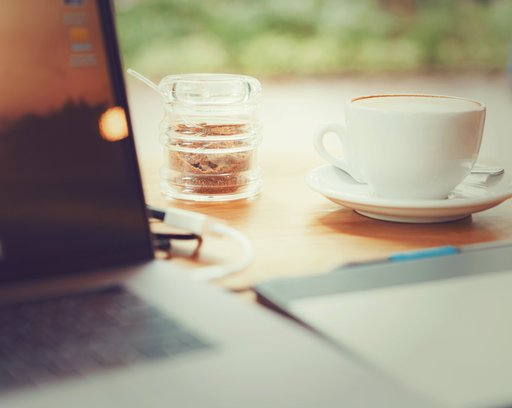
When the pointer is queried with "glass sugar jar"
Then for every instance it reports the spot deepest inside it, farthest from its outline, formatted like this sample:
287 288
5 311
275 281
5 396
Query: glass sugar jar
210 133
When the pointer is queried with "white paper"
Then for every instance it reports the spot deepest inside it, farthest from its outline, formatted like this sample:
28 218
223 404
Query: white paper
449 339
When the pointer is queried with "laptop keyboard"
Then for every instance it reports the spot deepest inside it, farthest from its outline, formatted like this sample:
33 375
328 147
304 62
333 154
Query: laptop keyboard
49 339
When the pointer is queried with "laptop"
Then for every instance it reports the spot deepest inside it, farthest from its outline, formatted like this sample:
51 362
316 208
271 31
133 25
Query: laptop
88 316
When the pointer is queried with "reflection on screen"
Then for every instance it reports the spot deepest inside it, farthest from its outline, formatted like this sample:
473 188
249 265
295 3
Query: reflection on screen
69 189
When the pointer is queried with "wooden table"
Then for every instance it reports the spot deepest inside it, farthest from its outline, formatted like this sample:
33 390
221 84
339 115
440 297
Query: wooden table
296 231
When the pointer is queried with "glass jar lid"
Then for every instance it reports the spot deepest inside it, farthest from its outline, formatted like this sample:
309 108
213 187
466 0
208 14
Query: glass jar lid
210 89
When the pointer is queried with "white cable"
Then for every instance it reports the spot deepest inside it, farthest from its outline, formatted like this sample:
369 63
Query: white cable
194 222
201 224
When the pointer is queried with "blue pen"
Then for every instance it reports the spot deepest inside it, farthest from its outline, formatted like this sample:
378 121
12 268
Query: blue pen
424 253
411 255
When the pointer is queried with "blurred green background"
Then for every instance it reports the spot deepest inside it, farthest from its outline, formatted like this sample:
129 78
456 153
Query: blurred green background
313 37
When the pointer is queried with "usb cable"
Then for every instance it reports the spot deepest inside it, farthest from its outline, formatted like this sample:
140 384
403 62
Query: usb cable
201 224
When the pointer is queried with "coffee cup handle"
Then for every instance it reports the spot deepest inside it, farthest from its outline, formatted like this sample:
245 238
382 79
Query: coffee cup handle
341 163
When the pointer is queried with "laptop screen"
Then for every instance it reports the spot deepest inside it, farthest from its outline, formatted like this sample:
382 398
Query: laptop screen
70 192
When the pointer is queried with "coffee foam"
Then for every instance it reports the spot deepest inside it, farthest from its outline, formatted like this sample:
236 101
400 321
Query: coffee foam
417 103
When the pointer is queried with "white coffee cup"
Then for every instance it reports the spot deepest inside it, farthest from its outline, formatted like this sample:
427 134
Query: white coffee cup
407 146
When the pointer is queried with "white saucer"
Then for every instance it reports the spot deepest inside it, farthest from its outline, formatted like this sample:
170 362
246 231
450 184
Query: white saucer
476 193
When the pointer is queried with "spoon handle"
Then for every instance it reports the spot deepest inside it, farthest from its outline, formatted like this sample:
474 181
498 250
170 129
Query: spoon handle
481 169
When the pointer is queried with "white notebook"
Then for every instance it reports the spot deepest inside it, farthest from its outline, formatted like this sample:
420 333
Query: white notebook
450 339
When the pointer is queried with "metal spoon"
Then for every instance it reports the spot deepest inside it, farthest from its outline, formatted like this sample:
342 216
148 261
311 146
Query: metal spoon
481 169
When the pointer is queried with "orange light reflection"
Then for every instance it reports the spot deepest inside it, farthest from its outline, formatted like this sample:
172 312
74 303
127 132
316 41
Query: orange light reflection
113 125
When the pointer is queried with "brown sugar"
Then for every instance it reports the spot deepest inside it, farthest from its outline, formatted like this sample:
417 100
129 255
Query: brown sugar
211 172
204 129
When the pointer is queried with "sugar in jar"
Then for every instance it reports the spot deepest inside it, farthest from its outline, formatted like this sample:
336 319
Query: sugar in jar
210 134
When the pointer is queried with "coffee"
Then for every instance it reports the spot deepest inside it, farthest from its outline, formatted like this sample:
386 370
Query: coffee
417 103
407 146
